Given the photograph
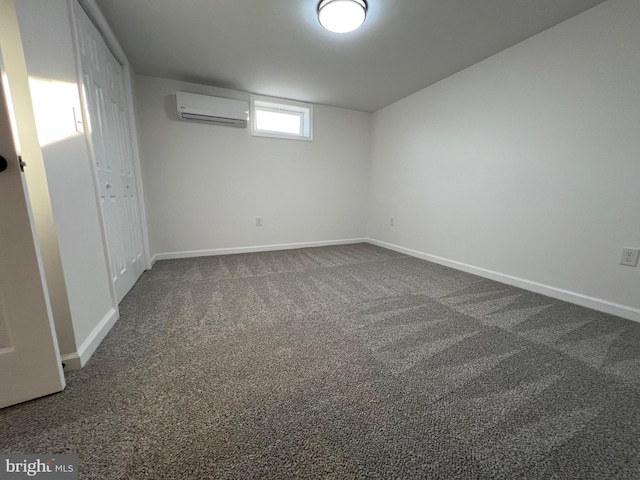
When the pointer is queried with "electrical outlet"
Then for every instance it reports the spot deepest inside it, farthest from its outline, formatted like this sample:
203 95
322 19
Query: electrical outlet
392 221
629 257
258 221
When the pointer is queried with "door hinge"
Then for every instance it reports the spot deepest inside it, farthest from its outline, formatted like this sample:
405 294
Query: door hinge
21 163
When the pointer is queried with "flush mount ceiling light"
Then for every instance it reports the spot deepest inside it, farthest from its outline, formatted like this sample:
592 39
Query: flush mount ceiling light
342 16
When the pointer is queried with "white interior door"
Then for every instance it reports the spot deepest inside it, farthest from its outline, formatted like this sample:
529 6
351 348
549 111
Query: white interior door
106 105
30 363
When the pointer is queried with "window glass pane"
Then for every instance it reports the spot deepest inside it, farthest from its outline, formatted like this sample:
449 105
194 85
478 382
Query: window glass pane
278 122
279 118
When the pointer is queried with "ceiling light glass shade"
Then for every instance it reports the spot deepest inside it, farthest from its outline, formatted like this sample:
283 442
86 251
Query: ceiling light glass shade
342 16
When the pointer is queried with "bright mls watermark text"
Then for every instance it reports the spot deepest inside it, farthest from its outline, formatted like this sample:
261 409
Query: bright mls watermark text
53 467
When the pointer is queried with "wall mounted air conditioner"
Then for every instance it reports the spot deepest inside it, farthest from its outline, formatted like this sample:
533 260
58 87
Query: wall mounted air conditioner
205 108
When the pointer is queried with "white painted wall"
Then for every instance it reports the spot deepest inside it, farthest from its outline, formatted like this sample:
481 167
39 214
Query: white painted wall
18 94
205 184
526 164
47 38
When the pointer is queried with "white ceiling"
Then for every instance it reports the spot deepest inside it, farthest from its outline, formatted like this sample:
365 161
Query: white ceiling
278 48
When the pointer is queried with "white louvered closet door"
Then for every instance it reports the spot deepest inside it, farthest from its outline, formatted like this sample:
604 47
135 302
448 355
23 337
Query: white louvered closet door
108 127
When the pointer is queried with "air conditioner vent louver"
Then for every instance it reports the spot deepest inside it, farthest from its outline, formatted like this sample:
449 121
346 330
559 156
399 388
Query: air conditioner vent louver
205 108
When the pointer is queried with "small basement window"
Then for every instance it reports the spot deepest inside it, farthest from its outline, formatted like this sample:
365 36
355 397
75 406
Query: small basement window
277 118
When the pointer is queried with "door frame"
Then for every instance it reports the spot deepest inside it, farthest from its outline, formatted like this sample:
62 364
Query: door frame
95 15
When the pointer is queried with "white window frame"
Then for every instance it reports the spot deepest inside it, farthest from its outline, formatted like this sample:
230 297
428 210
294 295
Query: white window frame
291 107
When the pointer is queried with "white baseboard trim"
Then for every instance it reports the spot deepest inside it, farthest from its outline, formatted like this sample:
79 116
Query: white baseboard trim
77 360
257 248
599 304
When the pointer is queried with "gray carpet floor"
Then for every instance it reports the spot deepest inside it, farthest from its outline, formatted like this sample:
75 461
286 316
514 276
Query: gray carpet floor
344 362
